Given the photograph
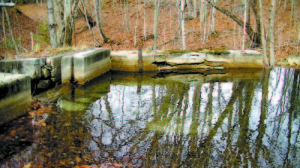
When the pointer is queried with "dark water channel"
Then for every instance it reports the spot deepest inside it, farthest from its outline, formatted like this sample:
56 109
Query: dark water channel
234 118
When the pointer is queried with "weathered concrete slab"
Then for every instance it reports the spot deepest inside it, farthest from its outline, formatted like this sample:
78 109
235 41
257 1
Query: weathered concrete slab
29 67
206 60
67 68
91 64
54 62
84 66
127 61
15 96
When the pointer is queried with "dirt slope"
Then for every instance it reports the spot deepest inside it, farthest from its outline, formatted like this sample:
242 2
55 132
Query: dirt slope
22 26
229 35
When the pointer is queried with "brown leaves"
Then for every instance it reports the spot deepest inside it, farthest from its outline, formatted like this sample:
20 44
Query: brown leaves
13 133
82 166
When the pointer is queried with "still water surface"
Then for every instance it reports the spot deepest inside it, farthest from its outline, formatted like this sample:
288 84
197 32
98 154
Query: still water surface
229 119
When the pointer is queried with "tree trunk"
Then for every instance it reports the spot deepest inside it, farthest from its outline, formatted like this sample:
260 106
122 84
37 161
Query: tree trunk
69 8
136 23
68 22
204 27
298 34
182 26
51 23
245 21
271 33
195 8
295 16
4 29
145 23
59 21
213 18
188 2
157 6
98 22
127 15
179 22
284 4
255 7
202 10
262 36
254 36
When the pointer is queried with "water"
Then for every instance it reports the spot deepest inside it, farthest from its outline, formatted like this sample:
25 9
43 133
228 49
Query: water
225 119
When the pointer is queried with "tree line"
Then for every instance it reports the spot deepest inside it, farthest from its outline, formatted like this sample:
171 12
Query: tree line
62 13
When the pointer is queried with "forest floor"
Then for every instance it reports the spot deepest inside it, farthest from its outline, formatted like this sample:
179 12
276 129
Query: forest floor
33 18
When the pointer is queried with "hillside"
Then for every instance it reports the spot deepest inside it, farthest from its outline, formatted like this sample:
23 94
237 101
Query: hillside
228 34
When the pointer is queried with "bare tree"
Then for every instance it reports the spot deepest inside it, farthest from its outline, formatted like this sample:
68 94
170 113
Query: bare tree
263 32
157 6
189 5
183 25
59 21
245 18
127 15
51 23
254 36
68 20
145 17
202 10
271 33
213 18
195 8
136 23
98 22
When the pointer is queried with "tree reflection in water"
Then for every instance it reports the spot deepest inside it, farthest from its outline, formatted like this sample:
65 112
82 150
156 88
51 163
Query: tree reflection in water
240 123
164 122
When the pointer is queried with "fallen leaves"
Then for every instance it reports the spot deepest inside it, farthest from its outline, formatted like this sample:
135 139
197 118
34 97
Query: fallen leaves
13 133
28 165
82 166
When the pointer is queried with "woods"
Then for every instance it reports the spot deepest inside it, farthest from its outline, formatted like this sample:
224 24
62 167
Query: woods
180 24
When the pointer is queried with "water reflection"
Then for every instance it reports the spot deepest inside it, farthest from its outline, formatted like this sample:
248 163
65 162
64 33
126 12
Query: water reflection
175 120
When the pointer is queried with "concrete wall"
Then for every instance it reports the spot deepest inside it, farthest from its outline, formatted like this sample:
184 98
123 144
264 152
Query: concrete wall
127 61
67 68
55 63
85 66
15 96
29 67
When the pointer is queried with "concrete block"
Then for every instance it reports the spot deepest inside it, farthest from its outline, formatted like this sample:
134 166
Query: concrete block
15 96
90 64
29 67
67 69
127 61
55 62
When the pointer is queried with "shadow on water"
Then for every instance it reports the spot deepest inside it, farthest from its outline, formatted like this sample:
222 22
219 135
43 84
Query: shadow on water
225 119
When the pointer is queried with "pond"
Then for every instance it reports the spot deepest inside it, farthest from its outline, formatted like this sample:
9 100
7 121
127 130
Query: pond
224 118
